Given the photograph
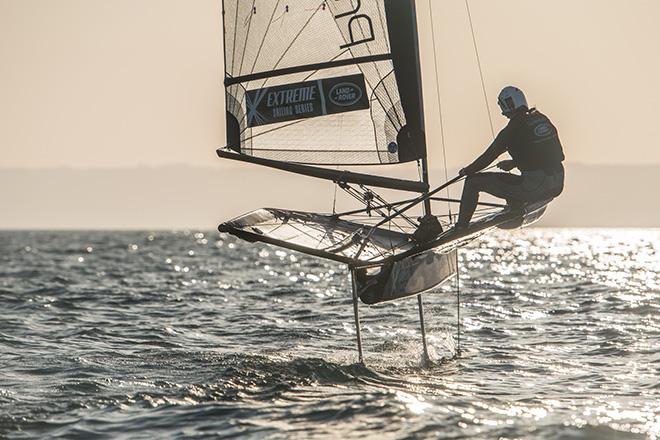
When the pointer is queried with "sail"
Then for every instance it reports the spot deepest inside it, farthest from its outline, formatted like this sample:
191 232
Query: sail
323 82
357 244
320 235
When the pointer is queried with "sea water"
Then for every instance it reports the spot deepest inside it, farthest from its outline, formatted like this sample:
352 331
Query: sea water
199 335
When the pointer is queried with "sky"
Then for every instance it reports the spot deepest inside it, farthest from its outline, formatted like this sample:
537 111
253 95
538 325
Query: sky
127 83
109 105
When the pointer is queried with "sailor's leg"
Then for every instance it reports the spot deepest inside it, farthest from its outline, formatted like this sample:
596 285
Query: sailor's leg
504 185
420 302
356 315
469 199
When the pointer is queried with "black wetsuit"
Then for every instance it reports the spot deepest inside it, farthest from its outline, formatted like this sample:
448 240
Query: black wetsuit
533 143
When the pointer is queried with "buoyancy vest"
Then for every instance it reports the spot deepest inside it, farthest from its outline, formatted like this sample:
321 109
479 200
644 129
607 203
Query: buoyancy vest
533 142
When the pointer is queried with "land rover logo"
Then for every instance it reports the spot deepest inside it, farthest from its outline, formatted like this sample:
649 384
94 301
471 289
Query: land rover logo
543 130
345 94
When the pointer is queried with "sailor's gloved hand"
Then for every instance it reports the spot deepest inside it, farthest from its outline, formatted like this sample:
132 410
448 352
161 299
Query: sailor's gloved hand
506 165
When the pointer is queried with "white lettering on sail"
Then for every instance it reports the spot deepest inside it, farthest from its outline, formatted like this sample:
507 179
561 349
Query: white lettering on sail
292 96
298 101
293 110
354 23
282 112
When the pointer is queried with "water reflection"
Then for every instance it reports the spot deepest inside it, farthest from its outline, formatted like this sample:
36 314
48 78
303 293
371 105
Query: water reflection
560 338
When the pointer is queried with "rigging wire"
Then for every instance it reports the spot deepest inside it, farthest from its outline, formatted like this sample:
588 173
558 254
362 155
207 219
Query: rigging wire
481 72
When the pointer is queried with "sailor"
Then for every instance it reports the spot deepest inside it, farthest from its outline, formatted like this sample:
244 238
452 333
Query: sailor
533 144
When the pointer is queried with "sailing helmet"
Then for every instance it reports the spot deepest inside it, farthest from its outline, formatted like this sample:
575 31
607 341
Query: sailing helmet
511 98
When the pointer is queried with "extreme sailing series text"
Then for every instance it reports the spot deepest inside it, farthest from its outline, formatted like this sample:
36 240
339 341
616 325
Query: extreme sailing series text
297 101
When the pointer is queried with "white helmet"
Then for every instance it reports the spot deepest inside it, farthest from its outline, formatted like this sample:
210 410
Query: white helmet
510 99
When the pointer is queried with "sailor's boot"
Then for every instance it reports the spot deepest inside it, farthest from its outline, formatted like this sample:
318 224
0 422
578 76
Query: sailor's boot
429 228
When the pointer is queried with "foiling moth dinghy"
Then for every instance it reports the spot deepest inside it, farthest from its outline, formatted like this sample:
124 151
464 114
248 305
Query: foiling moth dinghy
312 85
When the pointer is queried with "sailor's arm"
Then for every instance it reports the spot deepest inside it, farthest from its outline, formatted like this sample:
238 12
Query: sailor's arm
507 165
492 153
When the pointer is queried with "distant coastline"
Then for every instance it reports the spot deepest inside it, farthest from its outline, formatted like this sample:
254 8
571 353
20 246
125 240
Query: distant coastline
180 197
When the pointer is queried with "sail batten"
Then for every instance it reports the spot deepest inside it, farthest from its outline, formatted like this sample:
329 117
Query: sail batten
306 68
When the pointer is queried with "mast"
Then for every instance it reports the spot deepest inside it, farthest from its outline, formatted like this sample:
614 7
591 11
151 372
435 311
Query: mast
425 174
402 24
424 160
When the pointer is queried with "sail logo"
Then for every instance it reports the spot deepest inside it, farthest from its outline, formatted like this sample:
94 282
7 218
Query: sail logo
357 23
345 94
308 99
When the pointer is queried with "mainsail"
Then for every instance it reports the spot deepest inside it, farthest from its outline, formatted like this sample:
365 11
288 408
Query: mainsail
323 82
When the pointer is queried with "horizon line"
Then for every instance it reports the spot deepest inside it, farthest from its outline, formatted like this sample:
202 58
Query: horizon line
215 166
